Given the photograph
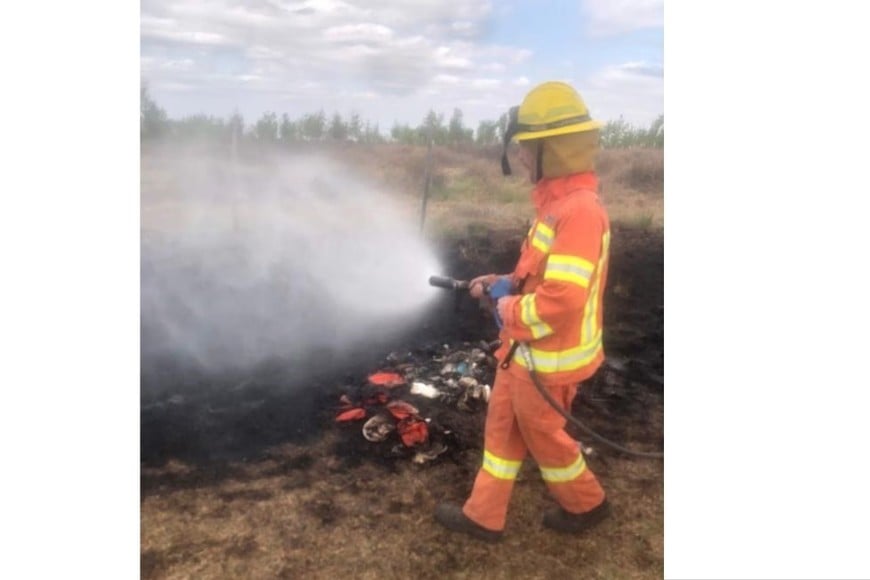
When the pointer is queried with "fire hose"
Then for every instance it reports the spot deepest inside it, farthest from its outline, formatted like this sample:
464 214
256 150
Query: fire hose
523 349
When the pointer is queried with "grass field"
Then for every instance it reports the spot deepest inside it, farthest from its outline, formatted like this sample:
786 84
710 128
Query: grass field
468 190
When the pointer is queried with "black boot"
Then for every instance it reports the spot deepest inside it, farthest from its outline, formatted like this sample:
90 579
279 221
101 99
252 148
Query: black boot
568 523
452 518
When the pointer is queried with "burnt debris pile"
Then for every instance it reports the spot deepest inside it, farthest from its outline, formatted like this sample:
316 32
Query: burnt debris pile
419 405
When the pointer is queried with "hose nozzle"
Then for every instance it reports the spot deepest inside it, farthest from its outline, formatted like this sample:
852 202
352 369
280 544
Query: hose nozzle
448 283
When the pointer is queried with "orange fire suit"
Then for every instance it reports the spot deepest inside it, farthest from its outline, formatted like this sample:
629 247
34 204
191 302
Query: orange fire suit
561 274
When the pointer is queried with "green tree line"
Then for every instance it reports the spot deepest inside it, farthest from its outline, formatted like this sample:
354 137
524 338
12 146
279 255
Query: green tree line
318 127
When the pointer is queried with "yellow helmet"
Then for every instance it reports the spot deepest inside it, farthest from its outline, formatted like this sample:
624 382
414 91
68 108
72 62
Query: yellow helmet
550 109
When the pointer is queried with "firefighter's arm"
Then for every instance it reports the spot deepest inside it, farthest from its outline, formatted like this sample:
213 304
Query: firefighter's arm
570 265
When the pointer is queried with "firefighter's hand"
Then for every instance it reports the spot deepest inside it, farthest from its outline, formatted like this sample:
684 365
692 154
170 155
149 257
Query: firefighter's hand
478 285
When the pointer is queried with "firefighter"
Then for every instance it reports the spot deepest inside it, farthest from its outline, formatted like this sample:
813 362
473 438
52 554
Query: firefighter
555 306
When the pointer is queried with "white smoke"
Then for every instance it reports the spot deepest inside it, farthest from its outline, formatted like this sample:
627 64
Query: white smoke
281 257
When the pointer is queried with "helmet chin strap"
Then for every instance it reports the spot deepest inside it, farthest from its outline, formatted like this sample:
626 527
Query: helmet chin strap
539 161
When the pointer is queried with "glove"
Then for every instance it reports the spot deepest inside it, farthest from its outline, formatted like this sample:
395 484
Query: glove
500 288
477 287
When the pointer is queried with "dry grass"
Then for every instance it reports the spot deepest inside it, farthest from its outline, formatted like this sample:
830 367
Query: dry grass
467 188
302 514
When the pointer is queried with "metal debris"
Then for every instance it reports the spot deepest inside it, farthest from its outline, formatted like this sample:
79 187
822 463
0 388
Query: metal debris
378 428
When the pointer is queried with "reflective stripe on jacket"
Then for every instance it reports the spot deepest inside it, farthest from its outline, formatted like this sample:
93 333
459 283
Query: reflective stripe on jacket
564 263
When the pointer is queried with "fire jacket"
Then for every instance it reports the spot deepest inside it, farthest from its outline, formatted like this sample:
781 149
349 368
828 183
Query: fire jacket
561 274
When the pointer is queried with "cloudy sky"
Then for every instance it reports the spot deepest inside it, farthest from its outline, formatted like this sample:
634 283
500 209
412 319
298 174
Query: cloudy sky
393 60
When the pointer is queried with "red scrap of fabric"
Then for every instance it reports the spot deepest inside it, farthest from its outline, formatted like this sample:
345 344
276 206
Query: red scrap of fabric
387 380
354 414
401 410
413 431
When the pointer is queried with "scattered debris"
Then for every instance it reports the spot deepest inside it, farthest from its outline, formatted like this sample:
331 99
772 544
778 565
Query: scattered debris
387 380
378 428
428 455
424 390
473 394
351 415
413 402
401 409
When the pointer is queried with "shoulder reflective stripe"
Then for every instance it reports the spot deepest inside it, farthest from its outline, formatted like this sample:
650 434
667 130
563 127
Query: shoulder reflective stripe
562 361
563 474
543 237
500 468
569 269
529 316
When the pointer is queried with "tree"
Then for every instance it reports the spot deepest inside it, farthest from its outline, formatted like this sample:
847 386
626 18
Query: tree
432 128
354 127
337 128
201 127
486 133
403 134
288 131
372 134
236 126
313 126
153 121
620 133
266 129
455 131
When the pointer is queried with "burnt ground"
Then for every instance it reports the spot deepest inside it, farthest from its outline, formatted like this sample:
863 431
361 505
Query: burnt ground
244 478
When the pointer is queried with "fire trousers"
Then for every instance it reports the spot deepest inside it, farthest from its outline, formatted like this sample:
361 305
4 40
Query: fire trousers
519 420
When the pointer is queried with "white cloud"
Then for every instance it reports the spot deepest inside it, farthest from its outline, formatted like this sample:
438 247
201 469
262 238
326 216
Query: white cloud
605 17
263 53
485 83
519 56
453 57
183 64
495 67
633 90
364 32
446 79
381 44
379 57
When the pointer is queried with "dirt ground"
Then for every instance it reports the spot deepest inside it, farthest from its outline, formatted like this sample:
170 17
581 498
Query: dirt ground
241 478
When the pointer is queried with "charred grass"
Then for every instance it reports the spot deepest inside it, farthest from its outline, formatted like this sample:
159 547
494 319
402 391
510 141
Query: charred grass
372 521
